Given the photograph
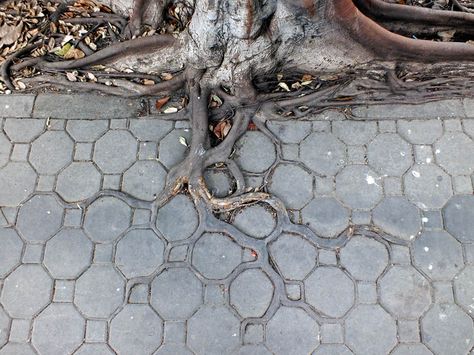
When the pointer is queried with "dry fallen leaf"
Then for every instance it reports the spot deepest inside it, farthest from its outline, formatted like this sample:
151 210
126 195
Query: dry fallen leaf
284 86
166 76
148 82
182 140
74 53
71 76
10 34
161 102
222 129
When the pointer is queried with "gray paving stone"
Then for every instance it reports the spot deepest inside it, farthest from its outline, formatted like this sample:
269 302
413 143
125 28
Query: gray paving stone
173 349
252 350
424 154
120 123
390 155
326 216
256 221
366 292
355 133
112 182
152 130
178 253
363 322
325 185
78 182
432 220
83 152
51 152
144 180
323 153
332 349
175 332
446 329
176 293
387 126
23 130
438 255
4 327
73 218
139 294
218 182
364 258
254 152
106 218
148 151
459 217
468 126
294 256
59 329
171 151
63 291
332 333
99 291
297 194
361 217
400 255
356 154
46 183
329 290
427 186
453 125
17 349
5 148
251 293
408 331
455 145
290 131
420 131
16 105
19 330
33 254
94 349
397 216
68 254
293 291
411 349
327 257
405 292
136 330
20 152
40 218
254 333
285 339
86 131
26 291
216 255
464 289
115 151
215 294
96 331
213 330
359 187
290 151
443 292
469 107
462 185
20 179
139 253
177 219
11 247
84 106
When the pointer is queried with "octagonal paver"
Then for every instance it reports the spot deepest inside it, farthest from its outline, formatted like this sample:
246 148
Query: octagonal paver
332 349
283 338
411 349
216 255
99 291
139 253
460 146
446 329
68 253
438 255
354 132
20 179
151 130
251 293
398 217
291 131
106 218
85 130
40 218
364 258
365 321
420 131
405 292
26 291
58 330
78 181
173 349
177 219
136 330
11 247
256 221
252 349
326 216
17 349
144 179
427 186
255 152
323 153
51 152
94 349
4 327
297 194
329 290
5 148
176 293
459 217
294 256
171 150
464 289
389 154
359 187
115 151
213 330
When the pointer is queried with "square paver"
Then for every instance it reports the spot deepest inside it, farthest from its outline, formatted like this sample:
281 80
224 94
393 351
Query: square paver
332 333
327 257
73 217
462 185
111 182
46 183
178 253
103 253
63 291
325 186
408 331
83 152
290 151
141 216
443 292
432 220
361 217
293 291
215 294
120 123
20 330
321 126
253 334
33 254
148 151
453 125
387 126
356 154
54 124
96 331
392 186
10 214
400 255
423 154
367 292
175 332
139 294
20 152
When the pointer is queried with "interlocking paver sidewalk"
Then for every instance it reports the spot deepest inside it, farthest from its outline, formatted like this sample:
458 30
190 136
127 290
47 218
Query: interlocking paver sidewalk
388 269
